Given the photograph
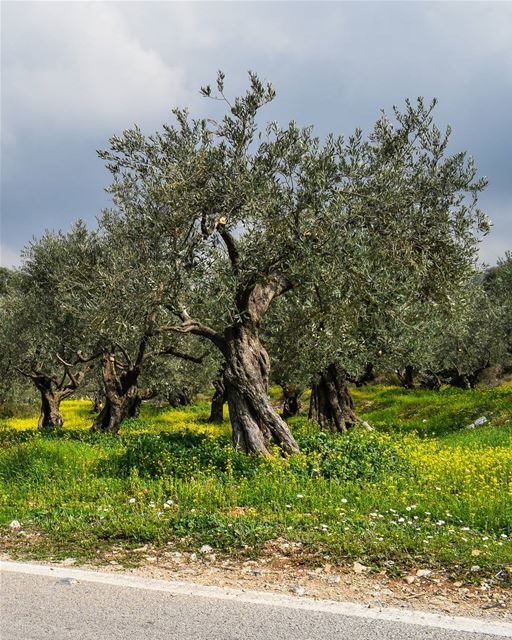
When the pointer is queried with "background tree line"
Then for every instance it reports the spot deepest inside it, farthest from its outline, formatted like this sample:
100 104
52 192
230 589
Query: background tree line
232 245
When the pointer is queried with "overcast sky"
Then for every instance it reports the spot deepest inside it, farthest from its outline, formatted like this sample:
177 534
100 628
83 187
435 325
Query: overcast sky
73 73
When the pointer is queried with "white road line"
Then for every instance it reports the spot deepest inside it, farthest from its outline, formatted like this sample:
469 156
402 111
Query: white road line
406 616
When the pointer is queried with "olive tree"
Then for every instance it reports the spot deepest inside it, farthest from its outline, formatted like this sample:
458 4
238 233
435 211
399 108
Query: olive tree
472 341
498 285
270 210
122 294
41 340
404 236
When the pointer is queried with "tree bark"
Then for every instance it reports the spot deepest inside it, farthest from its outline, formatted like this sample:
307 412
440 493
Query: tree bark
121 396
218 400
331 404
50 416
116 409
134 407
97 403
182 398
255 423
291 404
406 377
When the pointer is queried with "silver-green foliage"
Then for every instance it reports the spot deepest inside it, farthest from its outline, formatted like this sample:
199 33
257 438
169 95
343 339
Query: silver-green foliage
368 233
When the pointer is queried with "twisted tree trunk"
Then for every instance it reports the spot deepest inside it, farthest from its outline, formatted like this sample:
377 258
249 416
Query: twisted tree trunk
182 398
50 416
255 423
54 390
331 404
116 409
218 400
121 396
406 377
291 396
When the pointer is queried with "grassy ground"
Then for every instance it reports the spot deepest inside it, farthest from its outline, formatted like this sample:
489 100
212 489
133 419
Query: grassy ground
421 489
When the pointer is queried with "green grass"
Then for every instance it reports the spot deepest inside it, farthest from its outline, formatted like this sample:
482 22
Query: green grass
419 490
434 413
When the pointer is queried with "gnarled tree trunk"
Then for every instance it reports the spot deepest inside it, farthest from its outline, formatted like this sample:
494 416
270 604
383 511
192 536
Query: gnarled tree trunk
218 400
50 409
122 398
331 404
180 398
256 424
116 409
291 397
406 377
55 389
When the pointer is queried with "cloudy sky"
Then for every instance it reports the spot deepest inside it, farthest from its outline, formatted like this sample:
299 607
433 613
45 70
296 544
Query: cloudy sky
74 73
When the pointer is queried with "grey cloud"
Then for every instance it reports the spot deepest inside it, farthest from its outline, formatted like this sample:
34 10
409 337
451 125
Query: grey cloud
74 73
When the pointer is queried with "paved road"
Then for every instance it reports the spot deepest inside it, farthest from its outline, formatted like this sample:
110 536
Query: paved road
39 603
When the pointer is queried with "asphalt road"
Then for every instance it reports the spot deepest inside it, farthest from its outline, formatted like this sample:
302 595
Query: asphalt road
39 603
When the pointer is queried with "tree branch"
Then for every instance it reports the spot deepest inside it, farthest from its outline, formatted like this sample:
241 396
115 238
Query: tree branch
67 368
231 245
197 328
171 351
37 375
125 353
33 376
76 379
82 358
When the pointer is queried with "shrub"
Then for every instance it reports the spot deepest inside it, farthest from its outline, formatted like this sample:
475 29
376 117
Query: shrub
357 455
183 455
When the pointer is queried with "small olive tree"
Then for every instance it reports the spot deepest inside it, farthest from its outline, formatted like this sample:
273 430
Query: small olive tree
122 292
498 285
41 341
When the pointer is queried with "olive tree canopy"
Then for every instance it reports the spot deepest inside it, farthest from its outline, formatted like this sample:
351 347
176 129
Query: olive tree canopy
41 340
256 212
122 292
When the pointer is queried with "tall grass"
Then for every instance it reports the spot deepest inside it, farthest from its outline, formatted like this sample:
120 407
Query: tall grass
419 489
